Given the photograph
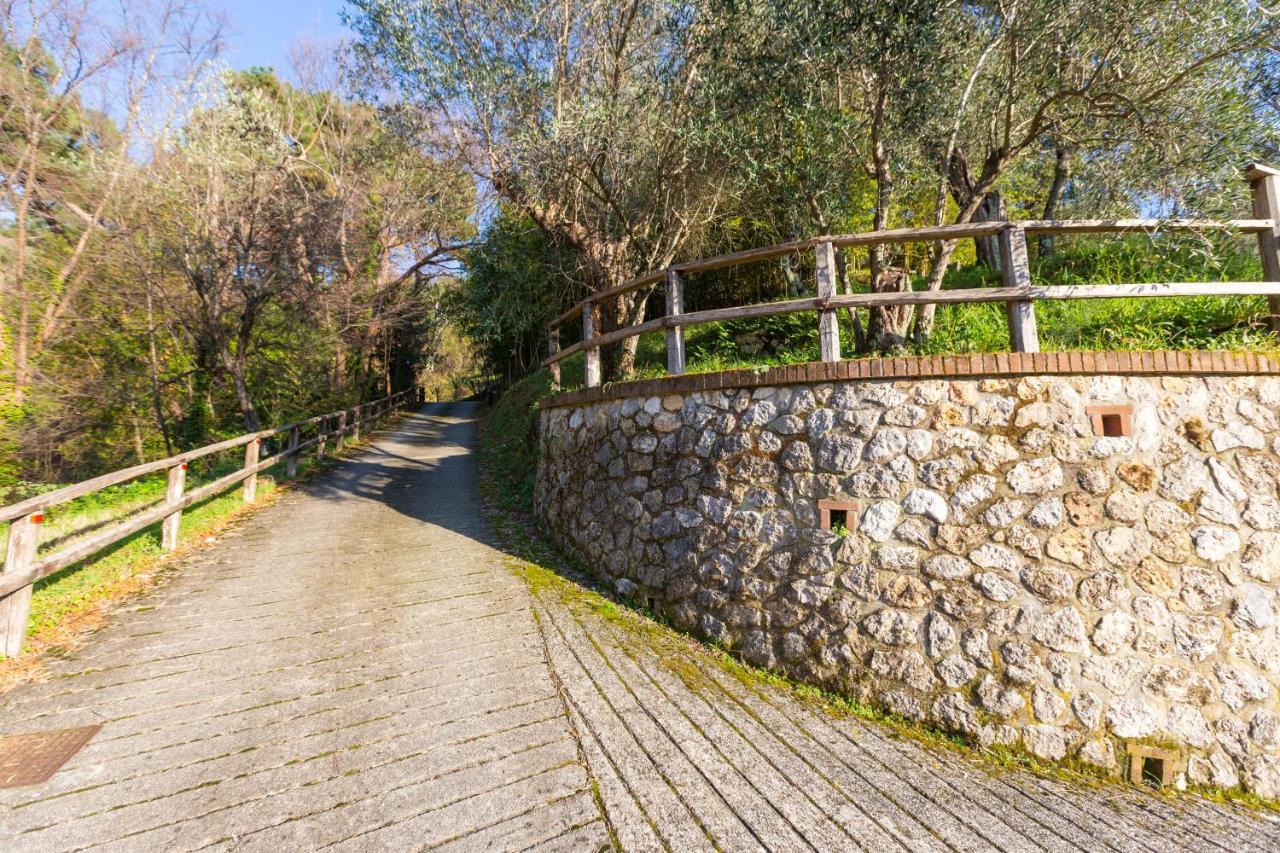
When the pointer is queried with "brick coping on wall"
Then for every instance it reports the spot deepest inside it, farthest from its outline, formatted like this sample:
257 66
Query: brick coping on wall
934 367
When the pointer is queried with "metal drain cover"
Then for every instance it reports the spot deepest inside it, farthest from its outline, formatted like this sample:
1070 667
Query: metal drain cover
33 758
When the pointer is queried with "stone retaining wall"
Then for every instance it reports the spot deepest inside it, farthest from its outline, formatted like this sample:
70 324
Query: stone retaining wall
1006 572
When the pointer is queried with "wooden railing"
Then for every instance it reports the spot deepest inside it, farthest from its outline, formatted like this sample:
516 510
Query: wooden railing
22 568
1016 289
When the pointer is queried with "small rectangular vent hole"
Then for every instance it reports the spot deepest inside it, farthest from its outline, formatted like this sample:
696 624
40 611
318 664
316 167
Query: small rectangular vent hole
1111 421
1153 765
838 515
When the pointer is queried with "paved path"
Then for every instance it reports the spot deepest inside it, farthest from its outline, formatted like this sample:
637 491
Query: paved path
356 667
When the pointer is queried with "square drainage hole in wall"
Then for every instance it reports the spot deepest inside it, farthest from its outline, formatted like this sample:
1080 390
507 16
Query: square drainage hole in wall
1151 765
1111 421
837 515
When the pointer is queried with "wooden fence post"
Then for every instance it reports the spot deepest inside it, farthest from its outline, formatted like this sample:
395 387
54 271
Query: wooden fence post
591 363
342 430
251 460
553 347
291 462
1014 272
15 608
172 521
675 334
828 323
355 422
1265 183
321 437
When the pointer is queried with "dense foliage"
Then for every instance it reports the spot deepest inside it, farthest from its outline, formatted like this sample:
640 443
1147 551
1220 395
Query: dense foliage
261 251
633 133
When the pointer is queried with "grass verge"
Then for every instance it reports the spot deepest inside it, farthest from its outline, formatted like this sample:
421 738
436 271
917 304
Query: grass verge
508 466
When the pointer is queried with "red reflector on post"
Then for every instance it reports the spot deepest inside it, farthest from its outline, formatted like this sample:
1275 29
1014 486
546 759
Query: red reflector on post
37 518
184 466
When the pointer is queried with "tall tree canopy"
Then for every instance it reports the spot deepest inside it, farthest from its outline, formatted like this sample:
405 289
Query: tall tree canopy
636 133
187 251
574 113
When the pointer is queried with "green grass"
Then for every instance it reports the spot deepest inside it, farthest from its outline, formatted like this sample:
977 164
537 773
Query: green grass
67 522
509 439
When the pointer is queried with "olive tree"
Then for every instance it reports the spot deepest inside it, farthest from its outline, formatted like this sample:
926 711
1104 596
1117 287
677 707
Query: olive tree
954 96
572 113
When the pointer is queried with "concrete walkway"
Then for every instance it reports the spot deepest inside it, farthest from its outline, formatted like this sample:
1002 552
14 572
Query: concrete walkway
356 667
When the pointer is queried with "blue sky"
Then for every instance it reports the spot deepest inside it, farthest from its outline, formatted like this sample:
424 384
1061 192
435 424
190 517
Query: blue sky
262 30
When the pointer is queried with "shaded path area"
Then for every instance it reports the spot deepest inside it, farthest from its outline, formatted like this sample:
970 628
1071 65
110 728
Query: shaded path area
356 667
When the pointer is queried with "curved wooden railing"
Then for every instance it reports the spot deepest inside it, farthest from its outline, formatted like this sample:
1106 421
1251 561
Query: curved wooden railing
1016 289
22 568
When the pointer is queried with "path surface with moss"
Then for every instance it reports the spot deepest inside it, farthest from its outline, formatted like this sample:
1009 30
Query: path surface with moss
359 667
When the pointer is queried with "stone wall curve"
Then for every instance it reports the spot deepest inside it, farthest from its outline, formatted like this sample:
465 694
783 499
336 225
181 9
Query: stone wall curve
1007 572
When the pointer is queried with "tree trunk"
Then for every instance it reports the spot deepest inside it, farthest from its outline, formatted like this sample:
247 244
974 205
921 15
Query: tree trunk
1061 174
962 190
386 365
244 401
618 361
153 358
21 372
21 369
992 209
860 341
886 327
200 414
139 451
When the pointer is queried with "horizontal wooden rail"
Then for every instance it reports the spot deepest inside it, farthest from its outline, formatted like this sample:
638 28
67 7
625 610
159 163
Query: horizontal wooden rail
124 475
1034 293
1120 226
115 478
1017 292
917 235
22 567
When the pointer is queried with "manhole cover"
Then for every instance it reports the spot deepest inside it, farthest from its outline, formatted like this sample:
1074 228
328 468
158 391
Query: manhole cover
34 758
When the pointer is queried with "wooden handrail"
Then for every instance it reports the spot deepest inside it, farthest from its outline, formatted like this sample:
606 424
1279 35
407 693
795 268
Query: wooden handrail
22 568
1034 293
916 235
1017 291
115 478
